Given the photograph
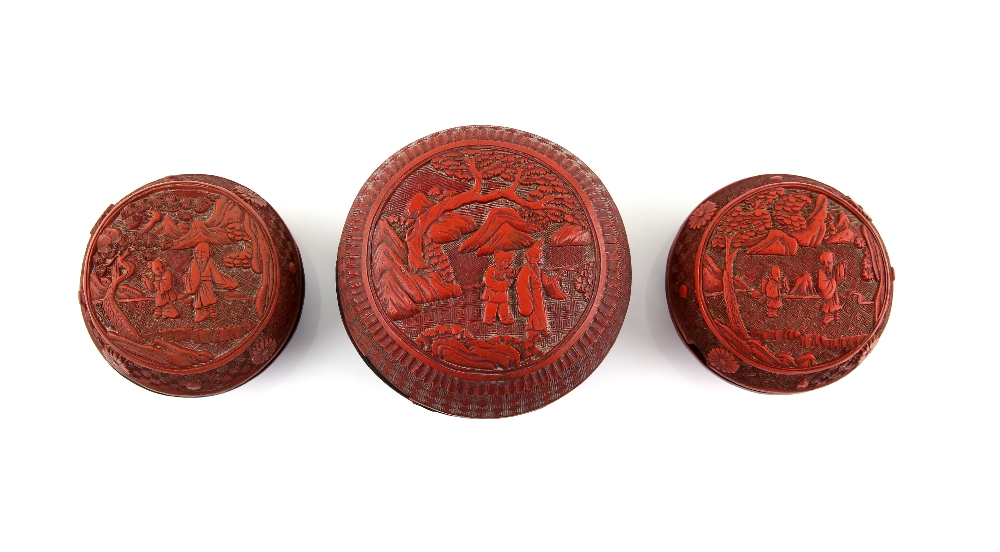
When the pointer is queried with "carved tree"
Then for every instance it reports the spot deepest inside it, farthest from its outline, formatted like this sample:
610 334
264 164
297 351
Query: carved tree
788 210
548 197
737 229
122 271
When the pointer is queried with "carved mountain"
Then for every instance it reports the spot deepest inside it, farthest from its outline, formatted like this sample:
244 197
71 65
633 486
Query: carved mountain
843 231
812 234
571 234
170 228
803 285
449 227
200 233
399 290
417 204
507 239
504 229
387 237
775 243
711 278
226 212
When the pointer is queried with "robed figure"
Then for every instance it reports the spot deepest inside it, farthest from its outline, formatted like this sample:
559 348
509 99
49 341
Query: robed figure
161 283
770 288
496 281
531 283
201 278
826 284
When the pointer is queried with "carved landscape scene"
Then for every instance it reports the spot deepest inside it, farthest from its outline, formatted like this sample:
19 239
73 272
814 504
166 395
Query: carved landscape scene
788 279
181 277
484 258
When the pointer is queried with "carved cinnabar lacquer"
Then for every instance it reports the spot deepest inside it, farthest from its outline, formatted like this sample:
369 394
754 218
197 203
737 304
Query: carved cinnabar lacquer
779 284
483 272
191 285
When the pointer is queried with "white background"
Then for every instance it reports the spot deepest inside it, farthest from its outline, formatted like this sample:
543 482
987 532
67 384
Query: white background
894 104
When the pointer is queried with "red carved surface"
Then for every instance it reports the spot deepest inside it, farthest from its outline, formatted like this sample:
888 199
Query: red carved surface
779 283
191 285
483 272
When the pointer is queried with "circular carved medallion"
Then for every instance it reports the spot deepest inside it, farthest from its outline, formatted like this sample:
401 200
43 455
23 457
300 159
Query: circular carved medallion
191 285
483 272
779 283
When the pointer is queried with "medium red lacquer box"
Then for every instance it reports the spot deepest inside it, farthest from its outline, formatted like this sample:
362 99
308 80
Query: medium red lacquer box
483 272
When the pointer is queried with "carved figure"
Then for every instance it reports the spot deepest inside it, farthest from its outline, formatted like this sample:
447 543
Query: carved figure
200 279
826 282
497 279
161 283
531 282
770 287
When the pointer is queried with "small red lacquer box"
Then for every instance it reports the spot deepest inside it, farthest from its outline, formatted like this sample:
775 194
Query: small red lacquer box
779 284
191 285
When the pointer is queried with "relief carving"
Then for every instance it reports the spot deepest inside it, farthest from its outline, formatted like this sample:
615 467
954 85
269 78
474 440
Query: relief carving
180 278
467 234
819 297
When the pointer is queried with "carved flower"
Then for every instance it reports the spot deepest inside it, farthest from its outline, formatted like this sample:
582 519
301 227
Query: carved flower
867 270
249 196
701 215
263 350
723 361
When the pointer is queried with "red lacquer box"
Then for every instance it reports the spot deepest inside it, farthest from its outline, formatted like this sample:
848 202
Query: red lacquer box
779 284
483 272
191 285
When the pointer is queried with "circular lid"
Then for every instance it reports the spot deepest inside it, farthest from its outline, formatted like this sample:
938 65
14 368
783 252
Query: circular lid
779 284
191 285
483 272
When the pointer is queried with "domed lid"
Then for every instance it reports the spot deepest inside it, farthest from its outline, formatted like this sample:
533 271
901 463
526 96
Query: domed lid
779 284
483 272
191 285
